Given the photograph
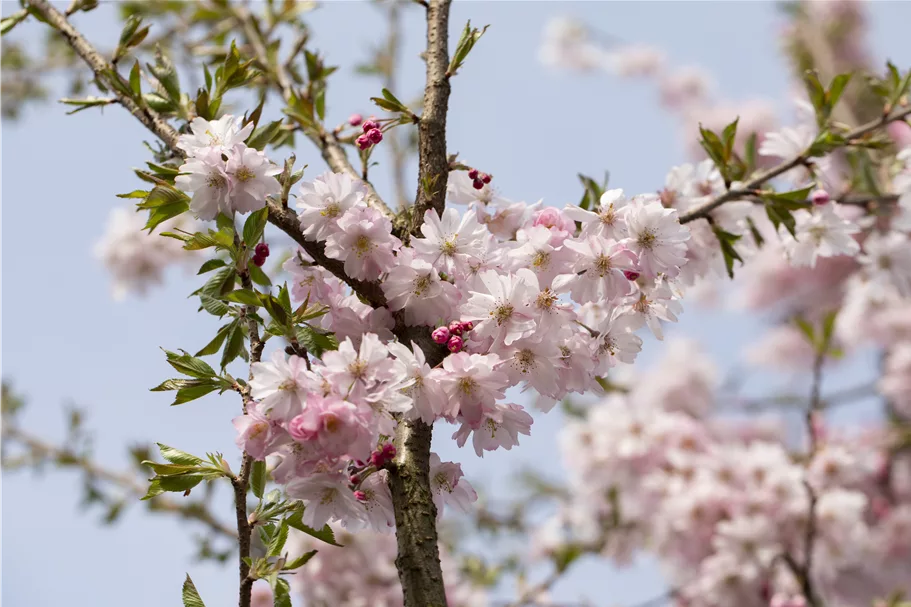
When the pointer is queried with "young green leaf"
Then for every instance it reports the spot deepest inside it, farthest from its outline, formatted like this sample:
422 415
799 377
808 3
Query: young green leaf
278 540
281 593
258 478
299 561
190 595
189 365
243 296
254 226
470 36
296 520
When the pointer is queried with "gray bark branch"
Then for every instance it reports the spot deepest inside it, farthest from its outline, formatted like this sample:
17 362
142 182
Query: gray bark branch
433 169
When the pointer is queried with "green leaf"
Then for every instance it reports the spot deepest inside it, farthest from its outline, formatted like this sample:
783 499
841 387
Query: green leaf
828 329
258 276
315 342
180 483
225 223
176 456
178 384
254 226
296 520
159 103
8 23
221 283
281 593
154 489
727 240
164 72
210 265
186 395
215 345
278 540
135 83
807 329
470 36
234 346
593 192
189 365
243 296
190 595
263 136
213 306
258 478
135 194
299 561
320 103
274 308
837 87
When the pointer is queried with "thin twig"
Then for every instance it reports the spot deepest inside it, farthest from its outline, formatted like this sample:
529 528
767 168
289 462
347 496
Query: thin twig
433 167
749 187
105 72
43 450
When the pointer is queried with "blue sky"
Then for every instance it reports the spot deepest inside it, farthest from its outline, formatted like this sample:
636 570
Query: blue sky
534 129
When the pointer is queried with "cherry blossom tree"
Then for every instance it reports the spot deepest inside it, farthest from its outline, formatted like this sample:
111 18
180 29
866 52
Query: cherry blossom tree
385 320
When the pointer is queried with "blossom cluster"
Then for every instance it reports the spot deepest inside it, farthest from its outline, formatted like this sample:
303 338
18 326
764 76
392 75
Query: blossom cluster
223 174
553 298
726 504
135 258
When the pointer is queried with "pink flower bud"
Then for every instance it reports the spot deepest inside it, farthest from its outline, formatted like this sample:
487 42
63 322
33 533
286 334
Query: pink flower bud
369 125
455 344
455 328
819 197
477 184
355 119
375 135
440 335
262 249
258 261
466 326
383 455
360 496
354 479
473 174
363 142
300 430
631 275
486 178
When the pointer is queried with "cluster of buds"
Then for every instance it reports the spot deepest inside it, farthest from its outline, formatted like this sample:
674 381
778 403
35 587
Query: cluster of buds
452 335
478 179
260 253
372 134
383 455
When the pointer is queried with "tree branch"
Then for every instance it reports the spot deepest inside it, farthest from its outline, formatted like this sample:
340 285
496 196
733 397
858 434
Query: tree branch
105 72
433 170
241 482
418 560
749 187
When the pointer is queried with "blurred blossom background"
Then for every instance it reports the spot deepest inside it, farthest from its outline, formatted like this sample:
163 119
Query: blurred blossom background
554 89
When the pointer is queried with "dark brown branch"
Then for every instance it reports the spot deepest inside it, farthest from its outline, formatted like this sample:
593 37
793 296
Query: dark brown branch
749 188
433 170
